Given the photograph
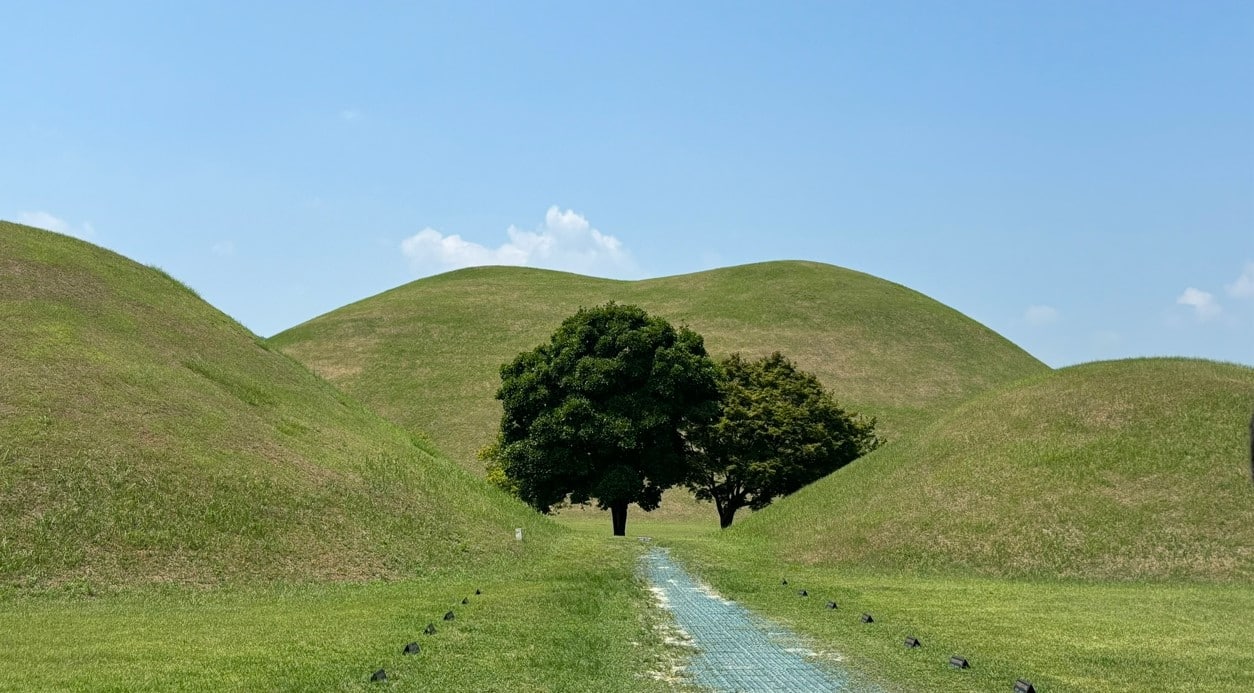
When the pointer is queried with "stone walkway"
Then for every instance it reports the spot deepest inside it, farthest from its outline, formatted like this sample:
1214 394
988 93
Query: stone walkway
736 651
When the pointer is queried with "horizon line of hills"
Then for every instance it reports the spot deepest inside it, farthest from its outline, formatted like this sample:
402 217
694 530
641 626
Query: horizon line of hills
147 437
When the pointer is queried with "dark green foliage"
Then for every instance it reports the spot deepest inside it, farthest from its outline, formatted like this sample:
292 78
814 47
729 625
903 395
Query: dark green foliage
777 430
597 412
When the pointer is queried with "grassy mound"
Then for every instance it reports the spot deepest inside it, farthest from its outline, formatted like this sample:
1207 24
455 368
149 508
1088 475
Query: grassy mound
427 354
1132 469
146 437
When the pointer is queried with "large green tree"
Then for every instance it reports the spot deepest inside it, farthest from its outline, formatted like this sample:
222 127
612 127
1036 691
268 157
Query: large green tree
599 412
777 430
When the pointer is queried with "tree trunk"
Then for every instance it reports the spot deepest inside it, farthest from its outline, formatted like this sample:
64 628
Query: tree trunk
725 515
618 511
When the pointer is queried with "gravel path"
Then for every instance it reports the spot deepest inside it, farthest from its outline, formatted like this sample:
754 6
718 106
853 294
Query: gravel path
737 652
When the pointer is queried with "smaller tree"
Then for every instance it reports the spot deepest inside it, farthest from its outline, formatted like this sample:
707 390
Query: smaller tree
777 430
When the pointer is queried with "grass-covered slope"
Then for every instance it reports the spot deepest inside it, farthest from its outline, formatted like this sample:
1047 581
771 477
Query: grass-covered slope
1133 469
427 354
146 437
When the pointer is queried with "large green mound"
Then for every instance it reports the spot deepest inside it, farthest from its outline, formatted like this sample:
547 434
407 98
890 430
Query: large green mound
146 437
427 354
1134 469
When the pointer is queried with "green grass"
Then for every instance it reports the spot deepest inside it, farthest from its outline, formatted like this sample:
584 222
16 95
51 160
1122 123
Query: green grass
575 619
1085 637
183 507
427 355
147 438
1124 470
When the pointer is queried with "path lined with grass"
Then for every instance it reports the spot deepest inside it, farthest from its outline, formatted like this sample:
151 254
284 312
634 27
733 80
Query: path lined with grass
736 652
1063 636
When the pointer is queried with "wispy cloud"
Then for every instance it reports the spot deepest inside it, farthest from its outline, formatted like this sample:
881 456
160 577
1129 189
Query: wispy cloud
223 248
1243 287
1203 303
565 241
1041 315
44 220
350 114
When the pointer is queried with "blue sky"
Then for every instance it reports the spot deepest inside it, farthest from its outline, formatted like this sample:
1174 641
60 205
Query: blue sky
1077 176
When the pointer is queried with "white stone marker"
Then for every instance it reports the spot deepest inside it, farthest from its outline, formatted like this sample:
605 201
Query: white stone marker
518 533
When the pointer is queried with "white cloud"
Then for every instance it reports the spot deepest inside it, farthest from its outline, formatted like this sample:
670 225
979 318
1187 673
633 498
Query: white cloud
1202 302
1041 315
1243 287
223 248
566 241
47 221
429 246
350 114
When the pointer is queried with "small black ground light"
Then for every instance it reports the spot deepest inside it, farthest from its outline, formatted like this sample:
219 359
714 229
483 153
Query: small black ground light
411 648
912 642
465 600
1024 686
379 675
430 629
477 593
449 616
784 581
804 593
866 618
959 662
831 605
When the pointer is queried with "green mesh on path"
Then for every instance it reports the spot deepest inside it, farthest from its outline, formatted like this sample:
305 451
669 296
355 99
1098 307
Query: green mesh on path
736 651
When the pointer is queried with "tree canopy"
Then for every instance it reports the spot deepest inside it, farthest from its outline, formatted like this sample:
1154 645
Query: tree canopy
777 430
599 412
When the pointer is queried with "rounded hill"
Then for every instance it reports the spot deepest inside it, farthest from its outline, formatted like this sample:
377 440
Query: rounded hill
146 437
1136 469
427 354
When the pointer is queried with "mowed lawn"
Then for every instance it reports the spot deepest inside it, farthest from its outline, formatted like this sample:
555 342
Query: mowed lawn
577 620
1061 636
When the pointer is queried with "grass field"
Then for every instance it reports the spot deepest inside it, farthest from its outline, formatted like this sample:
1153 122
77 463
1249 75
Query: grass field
427 354
184 508
1061 635
574 619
